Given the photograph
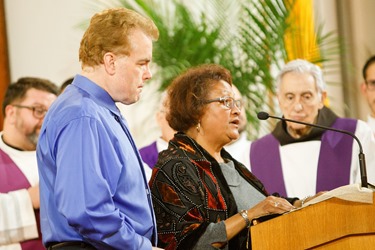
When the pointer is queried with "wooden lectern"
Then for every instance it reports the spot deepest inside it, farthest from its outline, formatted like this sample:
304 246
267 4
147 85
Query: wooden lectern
330 224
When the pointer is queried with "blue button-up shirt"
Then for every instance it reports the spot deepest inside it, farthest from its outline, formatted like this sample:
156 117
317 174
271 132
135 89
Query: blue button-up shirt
92 182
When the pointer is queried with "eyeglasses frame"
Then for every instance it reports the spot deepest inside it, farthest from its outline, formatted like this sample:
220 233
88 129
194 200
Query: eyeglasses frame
223 99
34 109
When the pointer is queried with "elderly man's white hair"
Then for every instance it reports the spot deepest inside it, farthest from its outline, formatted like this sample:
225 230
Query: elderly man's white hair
303 66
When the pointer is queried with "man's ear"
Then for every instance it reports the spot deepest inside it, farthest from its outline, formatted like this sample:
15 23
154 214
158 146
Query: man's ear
109 62
363 88
324 100
10 113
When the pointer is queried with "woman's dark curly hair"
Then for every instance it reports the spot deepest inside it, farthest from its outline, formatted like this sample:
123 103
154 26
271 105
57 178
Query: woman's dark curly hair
188 91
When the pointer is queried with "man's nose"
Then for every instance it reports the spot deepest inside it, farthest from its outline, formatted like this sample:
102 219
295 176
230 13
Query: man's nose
298 106
147 74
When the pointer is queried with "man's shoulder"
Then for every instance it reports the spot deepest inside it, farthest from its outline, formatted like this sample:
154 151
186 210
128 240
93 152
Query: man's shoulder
150 146
2 153
345 123
69 108
343 119
263 138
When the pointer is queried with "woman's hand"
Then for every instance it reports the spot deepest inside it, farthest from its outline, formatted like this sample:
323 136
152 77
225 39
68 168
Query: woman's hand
270 205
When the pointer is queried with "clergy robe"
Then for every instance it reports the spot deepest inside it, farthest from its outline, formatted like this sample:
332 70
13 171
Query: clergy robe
18 220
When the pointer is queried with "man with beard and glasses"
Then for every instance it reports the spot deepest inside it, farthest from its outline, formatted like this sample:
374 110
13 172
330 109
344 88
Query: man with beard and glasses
25 104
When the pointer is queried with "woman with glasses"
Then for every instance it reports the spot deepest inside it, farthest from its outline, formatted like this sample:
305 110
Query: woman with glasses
203 198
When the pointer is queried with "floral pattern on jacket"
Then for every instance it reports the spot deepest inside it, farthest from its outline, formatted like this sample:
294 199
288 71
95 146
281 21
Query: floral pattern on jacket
189 191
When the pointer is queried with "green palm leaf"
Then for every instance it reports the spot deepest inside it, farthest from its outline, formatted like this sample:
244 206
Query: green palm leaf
245 36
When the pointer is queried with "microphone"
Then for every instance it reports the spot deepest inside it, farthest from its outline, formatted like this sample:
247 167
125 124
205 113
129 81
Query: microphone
362 162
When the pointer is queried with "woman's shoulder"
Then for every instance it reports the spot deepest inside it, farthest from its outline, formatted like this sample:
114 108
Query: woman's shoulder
170 157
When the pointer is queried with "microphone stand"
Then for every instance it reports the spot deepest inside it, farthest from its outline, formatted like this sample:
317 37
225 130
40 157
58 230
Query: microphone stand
361 155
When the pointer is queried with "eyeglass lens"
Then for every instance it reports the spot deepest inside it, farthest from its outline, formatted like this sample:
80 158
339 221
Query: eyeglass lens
371 84
229 102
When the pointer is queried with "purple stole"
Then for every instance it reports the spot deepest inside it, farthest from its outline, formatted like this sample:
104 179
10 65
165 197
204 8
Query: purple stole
150 154
12 179
333 165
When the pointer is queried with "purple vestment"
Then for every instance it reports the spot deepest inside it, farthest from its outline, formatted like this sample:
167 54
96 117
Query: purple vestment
150 154
12 179
333 165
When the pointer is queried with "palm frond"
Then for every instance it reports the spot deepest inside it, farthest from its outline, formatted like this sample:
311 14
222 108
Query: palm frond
245 36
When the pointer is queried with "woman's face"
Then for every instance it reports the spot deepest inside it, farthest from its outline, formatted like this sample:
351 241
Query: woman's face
220 120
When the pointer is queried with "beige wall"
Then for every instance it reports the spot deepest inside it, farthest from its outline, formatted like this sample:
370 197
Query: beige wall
361 34
353 20
332 76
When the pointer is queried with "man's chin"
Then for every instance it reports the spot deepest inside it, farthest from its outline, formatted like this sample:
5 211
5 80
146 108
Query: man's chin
300 131
298 127
130 102
33 138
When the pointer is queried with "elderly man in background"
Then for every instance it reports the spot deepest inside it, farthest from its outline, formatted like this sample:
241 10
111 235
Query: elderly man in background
300 160
25 104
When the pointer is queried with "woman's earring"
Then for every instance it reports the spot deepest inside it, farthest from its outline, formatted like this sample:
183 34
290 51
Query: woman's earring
198 127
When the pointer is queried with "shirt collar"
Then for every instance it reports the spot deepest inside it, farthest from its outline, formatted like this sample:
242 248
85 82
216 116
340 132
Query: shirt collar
97 93
326 117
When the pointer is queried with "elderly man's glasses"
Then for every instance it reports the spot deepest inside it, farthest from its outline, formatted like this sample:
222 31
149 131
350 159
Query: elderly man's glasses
370 85
38 112
228 102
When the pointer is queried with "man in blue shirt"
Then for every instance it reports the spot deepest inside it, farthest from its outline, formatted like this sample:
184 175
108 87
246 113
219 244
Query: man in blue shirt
94 192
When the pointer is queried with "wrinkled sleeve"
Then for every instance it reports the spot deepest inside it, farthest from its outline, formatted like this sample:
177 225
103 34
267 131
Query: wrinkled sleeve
88 171
17 218
215 232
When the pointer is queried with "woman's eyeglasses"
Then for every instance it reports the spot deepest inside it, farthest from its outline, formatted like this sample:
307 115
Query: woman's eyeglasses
228 102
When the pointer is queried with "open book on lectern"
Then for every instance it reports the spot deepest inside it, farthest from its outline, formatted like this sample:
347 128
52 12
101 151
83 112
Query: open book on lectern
352 192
